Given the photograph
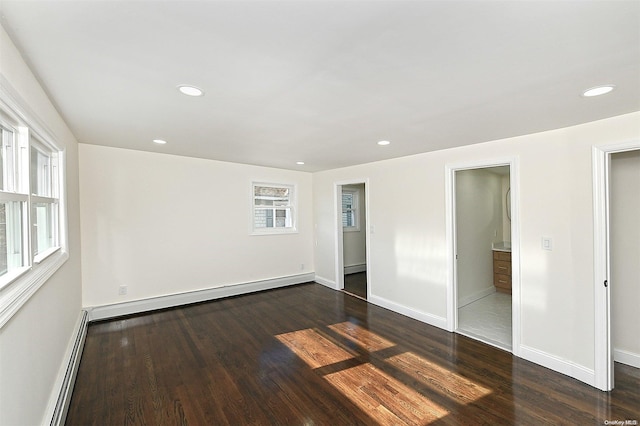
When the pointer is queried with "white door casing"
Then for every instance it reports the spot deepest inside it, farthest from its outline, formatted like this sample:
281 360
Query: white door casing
603 357
514 179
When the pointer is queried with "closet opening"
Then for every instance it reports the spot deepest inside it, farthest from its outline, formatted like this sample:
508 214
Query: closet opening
616 206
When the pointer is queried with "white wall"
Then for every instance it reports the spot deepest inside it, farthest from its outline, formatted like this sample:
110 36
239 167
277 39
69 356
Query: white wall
478 225
408 254
34 341
506 212
354 242
163 224
625 254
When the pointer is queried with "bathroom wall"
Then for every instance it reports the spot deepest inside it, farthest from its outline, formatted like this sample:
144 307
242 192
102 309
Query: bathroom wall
506 222
478 224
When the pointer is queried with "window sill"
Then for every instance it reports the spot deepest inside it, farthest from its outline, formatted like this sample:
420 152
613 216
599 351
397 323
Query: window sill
17 292
275 231
12 276
37 259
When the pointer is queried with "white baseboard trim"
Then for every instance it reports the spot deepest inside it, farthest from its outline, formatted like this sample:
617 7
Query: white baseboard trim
560 365
464 301
326 282
56 412
626 357
430 319
161 302
354 269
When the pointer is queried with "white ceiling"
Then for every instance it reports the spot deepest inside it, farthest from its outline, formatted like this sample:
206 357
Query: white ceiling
323 81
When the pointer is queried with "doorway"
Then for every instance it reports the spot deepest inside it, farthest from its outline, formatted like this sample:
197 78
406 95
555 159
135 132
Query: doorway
352 260
483 254
482 234
616 246
624 253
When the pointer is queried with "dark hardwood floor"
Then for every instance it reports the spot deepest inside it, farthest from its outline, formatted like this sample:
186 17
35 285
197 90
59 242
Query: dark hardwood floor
356 284
309 355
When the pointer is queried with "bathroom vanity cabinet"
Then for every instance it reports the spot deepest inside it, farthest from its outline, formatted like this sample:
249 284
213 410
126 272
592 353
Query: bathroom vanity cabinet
502 271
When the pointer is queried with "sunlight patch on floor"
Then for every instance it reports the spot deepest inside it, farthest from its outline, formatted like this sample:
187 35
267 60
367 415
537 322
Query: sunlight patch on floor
384 398
313 348
374 390
361 336
438 378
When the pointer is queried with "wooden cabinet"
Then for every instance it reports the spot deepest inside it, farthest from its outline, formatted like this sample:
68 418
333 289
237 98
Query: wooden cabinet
502 271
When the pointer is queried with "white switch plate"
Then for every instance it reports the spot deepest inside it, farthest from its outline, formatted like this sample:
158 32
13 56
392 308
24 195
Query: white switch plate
547 243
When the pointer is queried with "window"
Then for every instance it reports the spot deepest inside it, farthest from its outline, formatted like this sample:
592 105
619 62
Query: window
44 200
350 217
32 211
29 201
13 201
273 208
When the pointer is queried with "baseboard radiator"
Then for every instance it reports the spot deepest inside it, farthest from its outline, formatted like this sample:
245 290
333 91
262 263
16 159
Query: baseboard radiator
64 398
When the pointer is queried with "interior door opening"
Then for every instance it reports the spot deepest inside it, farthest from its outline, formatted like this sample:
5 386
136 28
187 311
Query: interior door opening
483 255
615 196
353 242
624 252
500 210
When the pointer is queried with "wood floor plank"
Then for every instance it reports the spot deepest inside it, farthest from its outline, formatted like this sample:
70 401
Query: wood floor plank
310 355
438 378
396 403
313 348
361 336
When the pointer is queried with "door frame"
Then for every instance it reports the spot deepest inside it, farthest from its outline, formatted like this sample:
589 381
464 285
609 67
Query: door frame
452 274
603 357
339 249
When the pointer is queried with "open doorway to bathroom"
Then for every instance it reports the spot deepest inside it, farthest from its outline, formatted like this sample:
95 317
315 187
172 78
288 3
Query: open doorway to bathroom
483 254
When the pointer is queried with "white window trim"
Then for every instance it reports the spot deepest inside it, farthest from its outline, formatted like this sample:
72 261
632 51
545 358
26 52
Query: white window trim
18 292
17 287
356 204
293 205
52 199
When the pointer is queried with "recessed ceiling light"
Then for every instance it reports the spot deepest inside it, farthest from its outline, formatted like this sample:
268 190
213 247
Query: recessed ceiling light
597 91
300 163
190 90
159 141
383 143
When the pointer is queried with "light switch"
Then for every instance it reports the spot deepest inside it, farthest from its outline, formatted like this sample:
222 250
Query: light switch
546 243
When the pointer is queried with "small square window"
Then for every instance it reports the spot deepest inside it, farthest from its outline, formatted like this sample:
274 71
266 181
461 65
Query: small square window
273 208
